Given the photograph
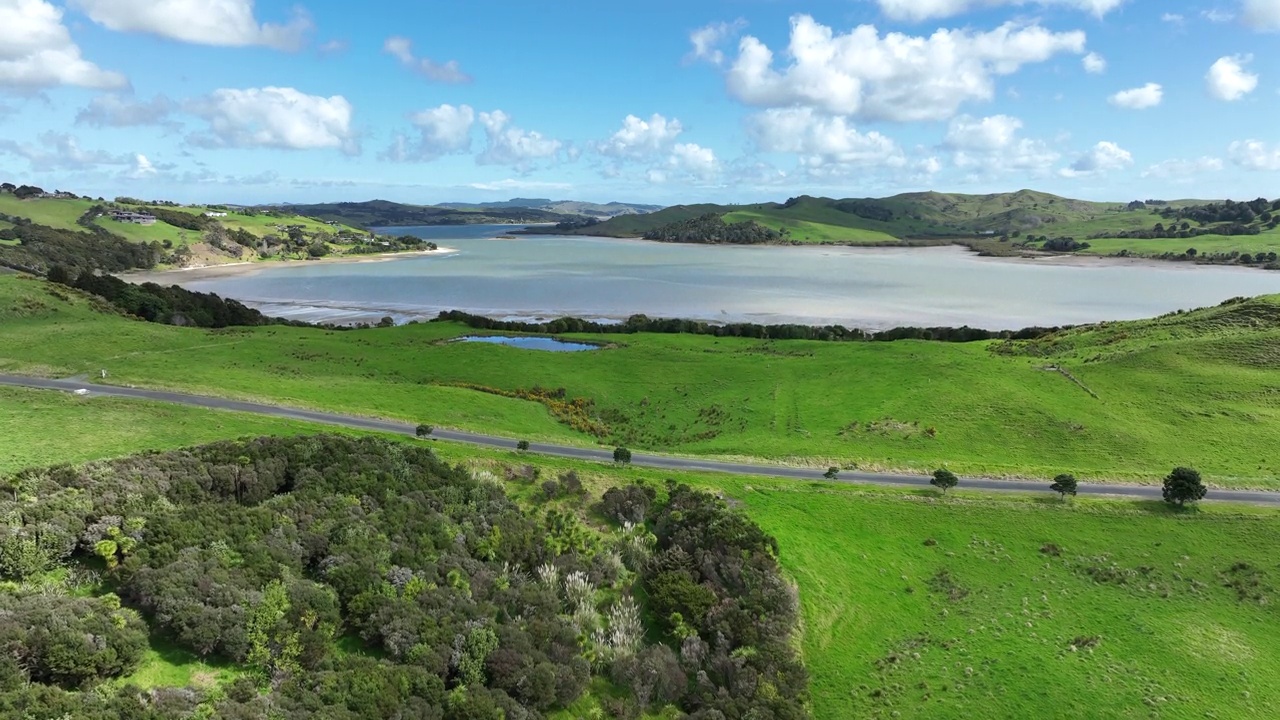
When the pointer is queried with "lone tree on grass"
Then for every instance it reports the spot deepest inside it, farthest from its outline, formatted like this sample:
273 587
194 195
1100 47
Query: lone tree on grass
523 446
622 456
944 480
1065 485
425 431
1183 486
832 473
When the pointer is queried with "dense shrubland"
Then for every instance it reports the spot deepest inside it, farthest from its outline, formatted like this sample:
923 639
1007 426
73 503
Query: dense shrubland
41 247
711 228
172 305
362 579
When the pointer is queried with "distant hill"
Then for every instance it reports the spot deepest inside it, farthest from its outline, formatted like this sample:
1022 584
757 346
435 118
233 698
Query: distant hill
384 213
562 207
901 217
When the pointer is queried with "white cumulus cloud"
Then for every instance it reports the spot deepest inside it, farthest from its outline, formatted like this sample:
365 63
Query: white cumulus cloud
708 41
443 130
36 51
641 139
693 161
821 140
227 23
1094 64
1183 169
1228 80
916 10
142 167
891 77
992 145
449 72
1140 98
1101 158
510 145
1255 155
275 117
1262 15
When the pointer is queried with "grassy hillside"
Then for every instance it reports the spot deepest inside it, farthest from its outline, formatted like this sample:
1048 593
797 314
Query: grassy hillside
976 220
901 217
914 607
1198 389
63 213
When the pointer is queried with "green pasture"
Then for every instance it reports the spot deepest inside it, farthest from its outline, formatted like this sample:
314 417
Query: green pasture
914 606
1197 389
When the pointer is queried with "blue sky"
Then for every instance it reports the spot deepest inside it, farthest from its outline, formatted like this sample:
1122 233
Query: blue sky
667 101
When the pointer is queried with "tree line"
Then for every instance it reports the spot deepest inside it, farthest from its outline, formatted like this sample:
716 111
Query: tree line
172 305
831 333
711 228
41 247
450 600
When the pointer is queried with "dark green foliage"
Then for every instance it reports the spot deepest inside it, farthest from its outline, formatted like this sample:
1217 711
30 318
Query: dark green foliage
832 473
172 305
1064 244
1065 485
869 209
424 430
265 552
1184 485
944 480
628 504
22 192
716 587
622 456
70 641
711 228
180 219
41 247
522 446
833 333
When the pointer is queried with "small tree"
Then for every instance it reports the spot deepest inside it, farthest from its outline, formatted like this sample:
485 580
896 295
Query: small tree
1182 486
523 446
944 480
622 456
832 473
1065 485
425 431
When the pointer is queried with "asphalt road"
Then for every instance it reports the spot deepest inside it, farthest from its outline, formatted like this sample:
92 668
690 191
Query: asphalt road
653 461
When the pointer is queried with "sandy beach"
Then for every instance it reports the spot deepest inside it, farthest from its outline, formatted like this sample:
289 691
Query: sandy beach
177 275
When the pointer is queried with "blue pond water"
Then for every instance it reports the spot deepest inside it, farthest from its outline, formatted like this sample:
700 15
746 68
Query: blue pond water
530 343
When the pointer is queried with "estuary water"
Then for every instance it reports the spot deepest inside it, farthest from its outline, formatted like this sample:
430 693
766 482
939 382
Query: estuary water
543 277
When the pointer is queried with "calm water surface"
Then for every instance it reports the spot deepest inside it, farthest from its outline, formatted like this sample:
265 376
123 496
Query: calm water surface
538 277
547 344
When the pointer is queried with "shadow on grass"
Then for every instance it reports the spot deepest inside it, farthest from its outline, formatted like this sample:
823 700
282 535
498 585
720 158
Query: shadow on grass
1159 507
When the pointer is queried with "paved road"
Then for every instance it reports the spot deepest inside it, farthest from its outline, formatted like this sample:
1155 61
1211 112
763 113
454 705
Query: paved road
653 461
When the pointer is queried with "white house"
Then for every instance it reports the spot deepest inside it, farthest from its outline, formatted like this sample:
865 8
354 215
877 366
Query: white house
125 216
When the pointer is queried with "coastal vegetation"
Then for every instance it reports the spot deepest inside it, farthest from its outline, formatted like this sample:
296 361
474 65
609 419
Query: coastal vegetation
890 584
712 228
365 579
1103 401
39 230
1015 223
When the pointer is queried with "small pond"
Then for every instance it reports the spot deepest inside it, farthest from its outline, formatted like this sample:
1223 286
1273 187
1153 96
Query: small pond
530 343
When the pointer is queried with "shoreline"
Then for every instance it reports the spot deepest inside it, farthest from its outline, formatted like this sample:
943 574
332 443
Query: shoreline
248 268
1030 257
